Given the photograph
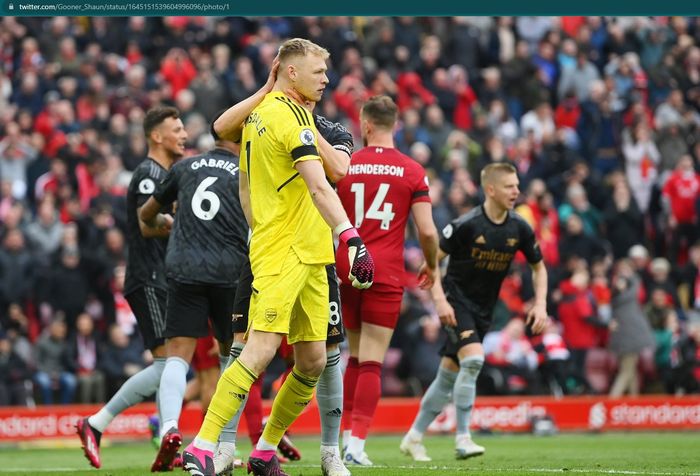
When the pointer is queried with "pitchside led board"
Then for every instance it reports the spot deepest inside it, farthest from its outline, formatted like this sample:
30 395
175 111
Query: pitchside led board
394 415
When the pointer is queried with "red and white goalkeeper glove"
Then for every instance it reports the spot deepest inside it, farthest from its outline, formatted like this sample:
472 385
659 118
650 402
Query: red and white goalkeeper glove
361 264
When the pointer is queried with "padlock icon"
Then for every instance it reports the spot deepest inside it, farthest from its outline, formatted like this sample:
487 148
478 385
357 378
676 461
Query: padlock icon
12 6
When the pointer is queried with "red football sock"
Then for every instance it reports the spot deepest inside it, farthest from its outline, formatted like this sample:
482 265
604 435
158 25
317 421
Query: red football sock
369 389
253 411
349 385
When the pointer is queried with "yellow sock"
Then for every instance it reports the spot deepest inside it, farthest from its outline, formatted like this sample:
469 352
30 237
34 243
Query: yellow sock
295 394
231 391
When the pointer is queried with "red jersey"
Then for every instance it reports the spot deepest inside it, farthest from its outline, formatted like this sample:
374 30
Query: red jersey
683 190
377 194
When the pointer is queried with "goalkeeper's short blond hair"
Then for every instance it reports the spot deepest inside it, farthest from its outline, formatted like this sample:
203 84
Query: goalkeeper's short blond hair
300 47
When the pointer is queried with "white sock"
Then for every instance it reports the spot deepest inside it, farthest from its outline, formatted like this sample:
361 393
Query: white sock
166 426
100 420
356 446
204 444
265 446
346 437
414 435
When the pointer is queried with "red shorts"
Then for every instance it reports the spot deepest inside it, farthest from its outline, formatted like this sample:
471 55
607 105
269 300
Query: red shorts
202 360
379 305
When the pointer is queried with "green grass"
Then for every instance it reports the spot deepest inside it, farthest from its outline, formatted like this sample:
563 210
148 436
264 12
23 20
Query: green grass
663 454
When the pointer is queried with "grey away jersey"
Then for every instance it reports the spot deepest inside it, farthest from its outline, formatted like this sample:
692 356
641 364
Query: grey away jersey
208 242
146 257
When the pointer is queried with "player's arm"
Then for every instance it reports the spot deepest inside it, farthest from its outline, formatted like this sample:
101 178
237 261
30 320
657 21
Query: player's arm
443 308
331 209
335 142
335 146
428 238
229 125
537 315
244 196
152 223
335 162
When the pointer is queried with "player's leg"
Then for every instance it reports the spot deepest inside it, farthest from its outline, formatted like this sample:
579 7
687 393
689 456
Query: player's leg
471 328
329 394
225 456
148 305
379 313
351 301
226 449
208 375
187 313
270 312
286 449
436 397
307 333
222 307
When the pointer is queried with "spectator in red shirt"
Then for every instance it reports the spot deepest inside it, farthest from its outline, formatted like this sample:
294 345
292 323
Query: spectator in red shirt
178 70
682 190
577 315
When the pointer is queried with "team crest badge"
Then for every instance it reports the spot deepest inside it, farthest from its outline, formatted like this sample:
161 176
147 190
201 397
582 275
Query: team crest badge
270 314
512 242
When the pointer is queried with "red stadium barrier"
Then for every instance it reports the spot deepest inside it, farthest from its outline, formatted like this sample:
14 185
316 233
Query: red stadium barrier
18 424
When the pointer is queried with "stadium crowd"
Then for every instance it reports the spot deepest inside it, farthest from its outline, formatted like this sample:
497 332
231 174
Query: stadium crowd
601 117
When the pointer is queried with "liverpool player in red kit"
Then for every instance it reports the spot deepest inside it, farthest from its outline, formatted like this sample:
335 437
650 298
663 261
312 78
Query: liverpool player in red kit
380 190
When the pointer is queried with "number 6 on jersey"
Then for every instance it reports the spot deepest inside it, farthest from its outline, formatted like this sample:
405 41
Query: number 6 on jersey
202 195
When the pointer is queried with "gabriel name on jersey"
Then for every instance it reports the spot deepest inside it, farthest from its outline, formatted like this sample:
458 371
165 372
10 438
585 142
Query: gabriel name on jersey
227 165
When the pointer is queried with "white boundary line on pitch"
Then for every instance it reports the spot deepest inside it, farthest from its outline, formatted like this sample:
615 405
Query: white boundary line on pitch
423 468
504 470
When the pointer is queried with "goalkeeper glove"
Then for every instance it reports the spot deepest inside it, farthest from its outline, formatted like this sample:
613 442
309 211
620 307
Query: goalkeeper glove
361 263
335 133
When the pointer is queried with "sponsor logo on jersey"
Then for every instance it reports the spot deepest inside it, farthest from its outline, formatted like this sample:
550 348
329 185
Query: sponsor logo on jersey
480 240
512 242
270 314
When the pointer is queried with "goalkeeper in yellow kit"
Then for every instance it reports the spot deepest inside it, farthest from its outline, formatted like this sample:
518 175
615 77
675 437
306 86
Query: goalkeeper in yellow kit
292 212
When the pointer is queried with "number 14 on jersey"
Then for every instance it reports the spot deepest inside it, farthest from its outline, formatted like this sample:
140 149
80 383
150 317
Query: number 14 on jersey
376 211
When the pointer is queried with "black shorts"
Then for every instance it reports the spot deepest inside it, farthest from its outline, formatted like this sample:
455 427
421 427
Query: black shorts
190 306
473 322
148 305
241 304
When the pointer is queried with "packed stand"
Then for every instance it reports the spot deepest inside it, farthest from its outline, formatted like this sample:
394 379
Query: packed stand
601 117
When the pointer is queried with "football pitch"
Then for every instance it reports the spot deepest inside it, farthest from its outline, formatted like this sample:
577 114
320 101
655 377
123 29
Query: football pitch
663 454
